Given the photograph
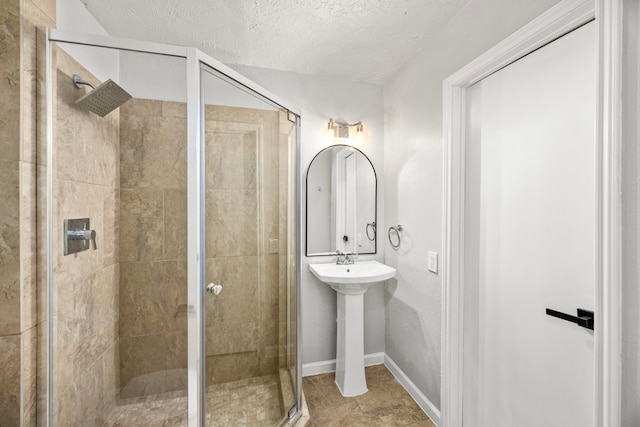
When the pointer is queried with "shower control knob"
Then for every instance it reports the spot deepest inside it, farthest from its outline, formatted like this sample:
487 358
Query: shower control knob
214 289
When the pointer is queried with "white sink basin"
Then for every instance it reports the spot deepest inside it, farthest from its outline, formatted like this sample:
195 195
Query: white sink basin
353 277
351 282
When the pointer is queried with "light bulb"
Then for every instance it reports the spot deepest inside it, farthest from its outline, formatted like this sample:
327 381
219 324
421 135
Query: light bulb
330 131
360 133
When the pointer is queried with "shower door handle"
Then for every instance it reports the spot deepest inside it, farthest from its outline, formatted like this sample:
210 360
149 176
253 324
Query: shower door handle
584 317
214 289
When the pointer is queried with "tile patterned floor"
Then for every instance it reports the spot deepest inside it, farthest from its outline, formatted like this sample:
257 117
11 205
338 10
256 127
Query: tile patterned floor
386 404
255 402
250 402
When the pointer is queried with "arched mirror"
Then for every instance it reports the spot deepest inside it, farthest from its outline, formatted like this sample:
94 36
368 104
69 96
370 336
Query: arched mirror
341 202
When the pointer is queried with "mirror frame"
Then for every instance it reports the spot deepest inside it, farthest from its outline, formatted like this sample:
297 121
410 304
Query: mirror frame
306 202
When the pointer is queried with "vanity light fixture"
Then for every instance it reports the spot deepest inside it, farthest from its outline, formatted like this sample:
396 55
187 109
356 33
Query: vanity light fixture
341 130
359 130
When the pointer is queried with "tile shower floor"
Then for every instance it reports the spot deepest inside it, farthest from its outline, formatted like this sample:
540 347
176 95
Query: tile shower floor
250 402
386 404
255 402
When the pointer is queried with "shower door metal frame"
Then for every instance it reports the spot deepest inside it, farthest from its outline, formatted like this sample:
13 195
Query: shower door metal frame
195 59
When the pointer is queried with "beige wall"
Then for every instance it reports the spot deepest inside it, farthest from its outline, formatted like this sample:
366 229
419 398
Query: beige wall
85 285
18 117
153 241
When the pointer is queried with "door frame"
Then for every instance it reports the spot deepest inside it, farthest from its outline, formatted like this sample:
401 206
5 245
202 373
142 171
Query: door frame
339 179
557 21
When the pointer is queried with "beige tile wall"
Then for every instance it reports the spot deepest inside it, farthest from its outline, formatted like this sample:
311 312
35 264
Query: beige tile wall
10 168
86 284
152 251
18 116
10 292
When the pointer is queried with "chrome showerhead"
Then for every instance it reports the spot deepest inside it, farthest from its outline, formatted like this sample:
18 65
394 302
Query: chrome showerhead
102 99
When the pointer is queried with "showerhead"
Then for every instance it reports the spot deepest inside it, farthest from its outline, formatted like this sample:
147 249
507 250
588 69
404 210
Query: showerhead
102 99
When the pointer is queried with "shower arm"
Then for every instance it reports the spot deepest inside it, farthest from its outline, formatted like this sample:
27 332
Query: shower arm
77 80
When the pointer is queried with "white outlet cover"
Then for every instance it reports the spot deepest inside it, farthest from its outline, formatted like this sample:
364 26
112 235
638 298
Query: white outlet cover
432 263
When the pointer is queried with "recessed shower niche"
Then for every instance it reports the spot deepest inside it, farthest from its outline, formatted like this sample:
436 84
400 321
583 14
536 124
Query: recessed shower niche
191 181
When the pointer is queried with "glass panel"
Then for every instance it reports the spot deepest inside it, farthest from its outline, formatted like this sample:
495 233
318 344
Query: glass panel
119 342
250 253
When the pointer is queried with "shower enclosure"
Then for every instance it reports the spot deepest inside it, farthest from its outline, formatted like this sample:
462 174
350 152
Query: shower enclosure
171 240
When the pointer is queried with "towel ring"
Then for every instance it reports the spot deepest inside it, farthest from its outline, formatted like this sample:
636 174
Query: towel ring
396 230
372 226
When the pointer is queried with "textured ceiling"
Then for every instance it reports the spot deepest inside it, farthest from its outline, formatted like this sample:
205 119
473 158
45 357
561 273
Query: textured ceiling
363 40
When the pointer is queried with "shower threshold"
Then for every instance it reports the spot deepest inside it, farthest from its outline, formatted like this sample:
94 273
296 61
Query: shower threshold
249 402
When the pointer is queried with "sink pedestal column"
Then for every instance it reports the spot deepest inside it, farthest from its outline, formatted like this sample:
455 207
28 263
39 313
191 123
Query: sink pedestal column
351 282
350 346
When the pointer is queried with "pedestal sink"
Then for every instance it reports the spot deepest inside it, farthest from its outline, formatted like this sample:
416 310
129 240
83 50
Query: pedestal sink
351 282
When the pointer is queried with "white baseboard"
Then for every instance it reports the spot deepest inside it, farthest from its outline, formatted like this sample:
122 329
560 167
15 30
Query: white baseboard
422 401
328 366
317 368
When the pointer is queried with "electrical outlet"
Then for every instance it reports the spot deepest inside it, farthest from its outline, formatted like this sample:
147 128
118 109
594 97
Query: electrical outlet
432 263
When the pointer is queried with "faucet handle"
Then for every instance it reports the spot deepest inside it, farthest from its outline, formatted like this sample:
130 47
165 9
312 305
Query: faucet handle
83 235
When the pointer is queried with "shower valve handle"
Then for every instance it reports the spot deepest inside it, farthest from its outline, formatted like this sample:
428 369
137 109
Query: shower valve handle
92 237
83 235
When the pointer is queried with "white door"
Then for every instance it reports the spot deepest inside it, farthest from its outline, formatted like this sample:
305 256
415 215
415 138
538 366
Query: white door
530 239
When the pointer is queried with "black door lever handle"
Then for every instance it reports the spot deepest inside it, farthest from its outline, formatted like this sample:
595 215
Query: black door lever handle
584 318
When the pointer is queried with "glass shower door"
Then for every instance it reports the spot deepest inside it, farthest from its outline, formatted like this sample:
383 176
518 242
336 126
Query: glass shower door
118 279
250 251
147 204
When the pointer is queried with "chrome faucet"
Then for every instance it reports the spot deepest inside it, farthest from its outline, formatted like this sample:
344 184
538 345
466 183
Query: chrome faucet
344 259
